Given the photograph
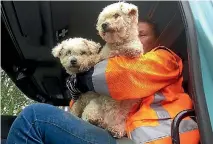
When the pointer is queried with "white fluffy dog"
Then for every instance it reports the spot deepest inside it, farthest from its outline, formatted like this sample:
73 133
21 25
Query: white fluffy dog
76 55
118 26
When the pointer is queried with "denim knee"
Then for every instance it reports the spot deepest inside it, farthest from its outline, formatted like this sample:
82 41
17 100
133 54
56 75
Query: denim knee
29 112
33 107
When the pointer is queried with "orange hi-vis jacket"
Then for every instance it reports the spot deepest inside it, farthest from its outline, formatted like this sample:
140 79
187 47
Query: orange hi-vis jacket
156 79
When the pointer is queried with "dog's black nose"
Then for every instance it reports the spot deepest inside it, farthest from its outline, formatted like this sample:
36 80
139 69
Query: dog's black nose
73 61
104 26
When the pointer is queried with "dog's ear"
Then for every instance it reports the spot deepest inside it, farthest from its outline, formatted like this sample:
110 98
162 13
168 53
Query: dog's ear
130 9
92 46
133 10
56 51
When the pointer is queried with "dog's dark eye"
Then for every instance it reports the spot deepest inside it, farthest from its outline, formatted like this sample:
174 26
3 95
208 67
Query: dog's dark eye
116 15
83 52
68 53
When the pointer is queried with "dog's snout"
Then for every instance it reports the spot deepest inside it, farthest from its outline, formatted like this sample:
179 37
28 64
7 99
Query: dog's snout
104 26
73 61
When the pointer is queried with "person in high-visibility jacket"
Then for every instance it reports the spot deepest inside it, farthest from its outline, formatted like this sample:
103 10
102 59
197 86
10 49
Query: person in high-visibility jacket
156 78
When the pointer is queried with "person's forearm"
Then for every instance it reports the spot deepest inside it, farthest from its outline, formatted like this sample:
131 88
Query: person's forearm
123 78
94 79
84 81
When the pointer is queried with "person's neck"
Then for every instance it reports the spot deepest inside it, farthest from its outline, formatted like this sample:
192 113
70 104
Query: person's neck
147 50
150 49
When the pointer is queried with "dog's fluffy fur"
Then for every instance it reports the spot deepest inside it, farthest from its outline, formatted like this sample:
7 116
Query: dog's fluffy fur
118 26
121 35
83 51
99 110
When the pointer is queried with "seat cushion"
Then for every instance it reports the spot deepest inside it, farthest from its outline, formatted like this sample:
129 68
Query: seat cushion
6 122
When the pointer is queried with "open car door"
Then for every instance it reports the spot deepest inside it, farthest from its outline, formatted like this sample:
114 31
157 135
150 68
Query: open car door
31 29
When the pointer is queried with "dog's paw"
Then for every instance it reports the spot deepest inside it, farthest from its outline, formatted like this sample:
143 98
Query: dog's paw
117 134
117 131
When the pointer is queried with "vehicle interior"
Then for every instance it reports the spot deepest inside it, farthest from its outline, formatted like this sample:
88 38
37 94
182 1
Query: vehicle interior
31 29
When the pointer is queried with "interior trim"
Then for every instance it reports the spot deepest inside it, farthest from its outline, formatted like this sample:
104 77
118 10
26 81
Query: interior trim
195 77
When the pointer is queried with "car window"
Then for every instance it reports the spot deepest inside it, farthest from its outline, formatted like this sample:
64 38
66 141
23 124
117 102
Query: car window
203 16
12 99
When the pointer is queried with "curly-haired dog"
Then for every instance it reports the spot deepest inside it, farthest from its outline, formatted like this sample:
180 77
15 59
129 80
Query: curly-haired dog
76 55
118 27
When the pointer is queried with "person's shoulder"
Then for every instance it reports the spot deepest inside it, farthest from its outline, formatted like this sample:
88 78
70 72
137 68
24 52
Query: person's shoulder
163 54
163 51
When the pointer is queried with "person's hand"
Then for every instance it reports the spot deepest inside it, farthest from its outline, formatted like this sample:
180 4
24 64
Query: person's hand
71 84
80 83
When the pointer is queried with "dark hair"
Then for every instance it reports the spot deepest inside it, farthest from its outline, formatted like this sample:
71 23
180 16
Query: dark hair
153 24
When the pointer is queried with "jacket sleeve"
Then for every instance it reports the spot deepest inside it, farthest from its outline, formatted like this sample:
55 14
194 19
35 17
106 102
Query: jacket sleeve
124 78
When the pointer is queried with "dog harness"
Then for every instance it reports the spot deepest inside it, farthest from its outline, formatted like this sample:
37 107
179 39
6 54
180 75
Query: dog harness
156 79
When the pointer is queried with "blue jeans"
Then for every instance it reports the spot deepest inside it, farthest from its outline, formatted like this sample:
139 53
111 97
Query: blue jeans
46 124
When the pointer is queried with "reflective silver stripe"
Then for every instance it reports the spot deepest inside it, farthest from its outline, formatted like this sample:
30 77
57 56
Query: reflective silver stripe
145 134
99 79
156 105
